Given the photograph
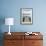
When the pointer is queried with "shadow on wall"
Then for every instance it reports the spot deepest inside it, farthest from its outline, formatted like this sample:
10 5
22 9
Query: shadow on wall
2 21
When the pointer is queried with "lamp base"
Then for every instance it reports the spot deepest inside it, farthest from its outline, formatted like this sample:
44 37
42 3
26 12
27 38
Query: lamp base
9 33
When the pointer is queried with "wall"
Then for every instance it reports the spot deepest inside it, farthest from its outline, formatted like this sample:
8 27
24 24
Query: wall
11 8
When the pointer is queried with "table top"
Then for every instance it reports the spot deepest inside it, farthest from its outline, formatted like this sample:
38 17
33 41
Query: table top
22 35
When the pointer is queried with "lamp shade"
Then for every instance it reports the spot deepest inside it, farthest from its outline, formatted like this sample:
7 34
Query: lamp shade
9 21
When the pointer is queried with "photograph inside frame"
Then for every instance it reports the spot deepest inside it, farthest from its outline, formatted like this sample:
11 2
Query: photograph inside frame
26 15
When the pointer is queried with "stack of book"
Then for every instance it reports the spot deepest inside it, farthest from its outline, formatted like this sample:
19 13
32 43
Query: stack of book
30 33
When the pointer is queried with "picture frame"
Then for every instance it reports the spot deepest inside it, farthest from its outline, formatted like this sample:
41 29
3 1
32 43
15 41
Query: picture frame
26 15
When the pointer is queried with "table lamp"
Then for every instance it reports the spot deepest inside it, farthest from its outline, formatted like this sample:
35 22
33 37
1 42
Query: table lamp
9 21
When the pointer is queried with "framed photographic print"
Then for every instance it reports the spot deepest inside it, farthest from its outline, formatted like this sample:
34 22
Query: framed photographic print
26 15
